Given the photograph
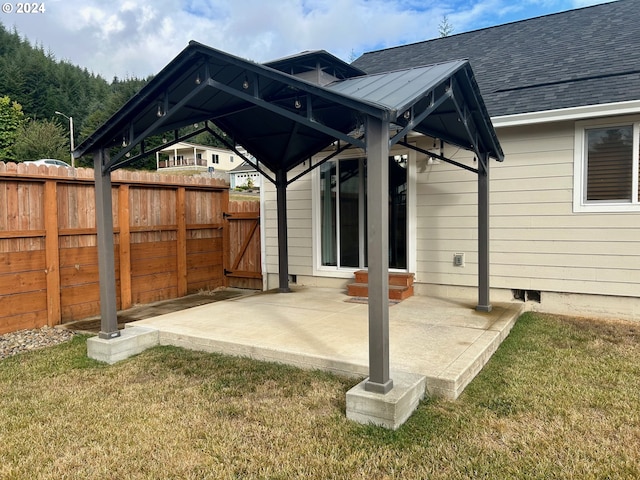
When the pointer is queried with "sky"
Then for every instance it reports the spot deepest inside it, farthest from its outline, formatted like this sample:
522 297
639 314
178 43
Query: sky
137 38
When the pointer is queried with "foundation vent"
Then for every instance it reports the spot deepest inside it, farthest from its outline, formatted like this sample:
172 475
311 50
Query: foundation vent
527 295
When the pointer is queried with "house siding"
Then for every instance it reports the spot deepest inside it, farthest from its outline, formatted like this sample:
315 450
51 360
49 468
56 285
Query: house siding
299 222
537 241
227 160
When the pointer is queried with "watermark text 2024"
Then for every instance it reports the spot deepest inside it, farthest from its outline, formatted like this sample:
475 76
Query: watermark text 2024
23 7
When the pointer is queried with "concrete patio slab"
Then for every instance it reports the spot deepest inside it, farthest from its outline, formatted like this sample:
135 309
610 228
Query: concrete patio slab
446 341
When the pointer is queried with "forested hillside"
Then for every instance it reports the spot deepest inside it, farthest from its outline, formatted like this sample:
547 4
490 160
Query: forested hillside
42 85
34 85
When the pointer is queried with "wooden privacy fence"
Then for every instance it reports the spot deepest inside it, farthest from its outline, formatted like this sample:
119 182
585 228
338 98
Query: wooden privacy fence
176 240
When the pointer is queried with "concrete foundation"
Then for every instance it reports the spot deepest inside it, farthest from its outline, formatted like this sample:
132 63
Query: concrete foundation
390 410
131 341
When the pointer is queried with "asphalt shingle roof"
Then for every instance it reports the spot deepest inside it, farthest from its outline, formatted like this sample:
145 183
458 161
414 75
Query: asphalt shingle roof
587 56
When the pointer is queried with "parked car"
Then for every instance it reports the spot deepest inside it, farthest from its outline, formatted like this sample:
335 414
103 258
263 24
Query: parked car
49 161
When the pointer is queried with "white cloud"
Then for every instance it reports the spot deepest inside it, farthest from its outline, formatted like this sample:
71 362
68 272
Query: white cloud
137 38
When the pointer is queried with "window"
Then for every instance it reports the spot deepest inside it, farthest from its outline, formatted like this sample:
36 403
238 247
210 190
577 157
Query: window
215 158
607 169
231 158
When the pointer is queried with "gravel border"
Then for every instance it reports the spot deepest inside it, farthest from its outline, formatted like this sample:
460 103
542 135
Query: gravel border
33 339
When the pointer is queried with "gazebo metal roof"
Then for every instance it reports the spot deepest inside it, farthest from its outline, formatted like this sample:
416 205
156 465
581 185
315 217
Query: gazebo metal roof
282 118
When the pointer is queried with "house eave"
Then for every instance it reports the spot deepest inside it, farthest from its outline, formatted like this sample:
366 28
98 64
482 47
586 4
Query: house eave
563 114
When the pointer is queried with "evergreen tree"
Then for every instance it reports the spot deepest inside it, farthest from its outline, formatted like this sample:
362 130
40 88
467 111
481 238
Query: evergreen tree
11 120
42 85
445 28
42 139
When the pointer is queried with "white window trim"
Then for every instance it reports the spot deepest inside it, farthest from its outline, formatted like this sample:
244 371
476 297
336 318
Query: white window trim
573 113
579 171
320 270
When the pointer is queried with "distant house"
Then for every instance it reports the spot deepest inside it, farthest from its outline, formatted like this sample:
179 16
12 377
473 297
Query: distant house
244 175
563 93
191 156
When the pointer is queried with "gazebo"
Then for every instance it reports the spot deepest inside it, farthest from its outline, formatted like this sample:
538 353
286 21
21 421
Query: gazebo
283 113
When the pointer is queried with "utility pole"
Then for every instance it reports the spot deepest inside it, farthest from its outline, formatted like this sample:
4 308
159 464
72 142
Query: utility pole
73 162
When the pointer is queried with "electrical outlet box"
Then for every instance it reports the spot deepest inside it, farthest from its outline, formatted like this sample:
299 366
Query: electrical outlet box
458 259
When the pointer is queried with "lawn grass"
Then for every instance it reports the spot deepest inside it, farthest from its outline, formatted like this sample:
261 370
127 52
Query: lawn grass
560 399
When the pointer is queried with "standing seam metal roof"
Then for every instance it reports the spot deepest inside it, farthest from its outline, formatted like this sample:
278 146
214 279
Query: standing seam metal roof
397 90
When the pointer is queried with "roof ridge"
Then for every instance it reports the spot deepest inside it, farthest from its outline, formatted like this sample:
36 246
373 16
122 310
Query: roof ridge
406 69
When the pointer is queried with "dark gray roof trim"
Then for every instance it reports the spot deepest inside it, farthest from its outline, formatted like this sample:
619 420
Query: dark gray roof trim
587 56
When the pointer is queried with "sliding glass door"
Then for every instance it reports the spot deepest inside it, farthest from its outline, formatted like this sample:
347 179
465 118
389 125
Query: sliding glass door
343 213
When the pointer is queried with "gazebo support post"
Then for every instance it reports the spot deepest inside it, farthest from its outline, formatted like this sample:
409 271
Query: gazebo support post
378 254
484 304
283 247
106 258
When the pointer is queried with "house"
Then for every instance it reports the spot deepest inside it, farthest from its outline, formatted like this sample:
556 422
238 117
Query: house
389 163
245 175
191 156
563 93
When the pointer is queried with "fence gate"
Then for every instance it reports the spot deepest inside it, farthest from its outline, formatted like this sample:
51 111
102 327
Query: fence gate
243 266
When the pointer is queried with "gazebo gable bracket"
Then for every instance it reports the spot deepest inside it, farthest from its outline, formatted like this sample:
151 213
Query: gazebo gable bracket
404 143
134 108
424 107
483 119
471 141
163 117
144 153
470 120
468 123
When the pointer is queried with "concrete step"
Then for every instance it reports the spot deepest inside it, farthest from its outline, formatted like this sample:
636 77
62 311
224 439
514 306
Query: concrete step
395 278
396 292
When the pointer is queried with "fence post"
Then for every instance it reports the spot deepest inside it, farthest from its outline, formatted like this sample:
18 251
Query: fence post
181 241
52 252
124 247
